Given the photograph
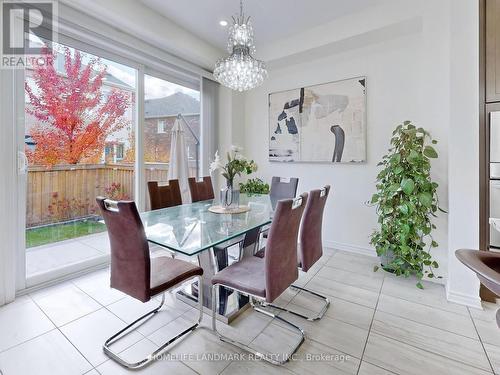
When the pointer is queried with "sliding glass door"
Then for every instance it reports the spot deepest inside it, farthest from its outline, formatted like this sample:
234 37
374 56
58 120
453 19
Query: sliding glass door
91 122
79 143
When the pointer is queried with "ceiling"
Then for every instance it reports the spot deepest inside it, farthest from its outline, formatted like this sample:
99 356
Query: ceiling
272 19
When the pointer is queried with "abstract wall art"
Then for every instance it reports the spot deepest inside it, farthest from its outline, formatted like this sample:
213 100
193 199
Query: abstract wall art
321 123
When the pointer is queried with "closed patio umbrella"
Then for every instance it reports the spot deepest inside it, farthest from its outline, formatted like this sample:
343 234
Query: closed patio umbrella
178 165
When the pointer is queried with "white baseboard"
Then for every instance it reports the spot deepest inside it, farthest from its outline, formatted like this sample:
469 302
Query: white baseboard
369 251
464 299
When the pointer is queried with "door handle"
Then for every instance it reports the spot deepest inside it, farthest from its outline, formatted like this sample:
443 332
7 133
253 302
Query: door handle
22 162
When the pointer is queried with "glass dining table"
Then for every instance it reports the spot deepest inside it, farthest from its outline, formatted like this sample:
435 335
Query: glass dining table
192 230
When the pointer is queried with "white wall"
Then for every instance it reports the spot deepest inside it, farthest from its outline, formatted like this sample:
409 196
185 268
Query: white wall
230 124
463 176
402 47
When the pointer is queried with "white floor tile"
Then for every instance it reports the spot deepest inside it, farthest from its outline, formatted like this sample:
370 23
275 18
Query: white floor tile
371 281
493 353
355 263
65 304
409 360
447 344
129 309
488 331
488 313
327 252
423 314
276 341
49 354
432 295
245 327
369 369
349 293
139 351
39 293
20 321
339 309
97 286
88 334
333 333
318 359
413 331
201 349
254 367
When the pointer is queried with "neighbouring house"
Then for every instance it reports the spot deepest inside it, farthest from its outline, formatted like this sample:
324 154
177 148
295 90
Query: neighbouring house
160 115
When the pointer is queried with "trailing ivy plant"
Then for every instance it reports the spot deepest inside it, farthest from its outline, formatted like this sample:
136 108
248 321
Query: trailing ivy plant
406 201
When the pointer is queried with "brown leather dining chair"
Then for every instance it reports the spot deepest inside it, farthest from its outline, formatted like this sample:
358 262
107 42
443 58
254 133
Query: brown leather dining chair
486 265
136 274
201 190
265 279
163 196
281 188
310 246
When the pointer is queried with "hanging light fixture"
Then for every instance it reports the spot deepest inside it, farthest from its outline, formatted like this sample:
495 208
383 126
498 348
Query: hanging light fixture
240 71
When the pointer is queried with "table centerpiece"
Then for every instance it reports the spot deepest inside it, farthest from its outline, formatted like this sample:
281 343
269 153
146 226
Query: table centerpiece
236 165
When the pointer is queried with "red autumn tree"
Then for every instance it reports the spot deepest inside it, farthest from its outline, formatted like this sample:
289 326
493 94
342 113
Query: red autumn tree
73 119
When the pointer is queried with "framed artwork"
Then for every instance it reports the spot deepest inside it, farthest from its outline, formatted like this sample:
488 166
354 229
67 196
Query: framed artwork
321 123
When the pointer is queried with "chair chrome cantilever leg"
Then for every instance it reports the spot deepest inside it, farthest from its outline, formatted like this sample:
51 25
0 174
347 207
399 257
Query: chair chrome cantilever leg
268 358
151 357
309 318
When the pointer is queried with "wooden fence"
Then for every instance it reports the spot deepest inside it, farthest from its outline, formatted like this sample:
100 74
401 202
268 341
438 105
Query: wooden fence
68 191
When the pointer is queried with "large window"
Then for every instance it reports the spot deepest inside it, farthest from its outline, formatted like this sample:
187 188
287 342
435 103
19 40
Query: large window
81 141
80 113
164 102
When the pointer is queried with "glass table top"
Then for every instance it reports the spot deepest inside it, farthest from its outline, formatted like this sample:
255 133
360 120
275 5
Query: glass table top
191 228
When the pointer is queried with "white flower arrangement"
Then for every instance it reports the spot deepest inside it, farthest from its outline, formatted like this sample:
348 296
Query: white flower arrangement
236 164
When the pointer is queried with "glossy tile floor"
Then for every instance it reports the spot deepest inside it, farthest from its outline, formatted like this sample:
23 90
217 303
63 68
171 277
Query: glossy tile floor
377 324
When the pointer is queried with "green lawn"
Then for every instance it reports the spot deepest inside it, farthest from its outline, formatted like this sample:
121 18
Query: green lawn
55 233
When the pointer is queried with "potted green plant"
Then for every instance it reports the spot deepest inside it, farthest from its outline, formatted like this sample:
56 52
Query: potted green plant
254 186
406 200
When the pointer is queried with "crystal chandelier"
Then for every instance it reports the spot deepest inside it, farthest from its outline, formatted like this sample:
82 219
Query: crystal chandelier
240 71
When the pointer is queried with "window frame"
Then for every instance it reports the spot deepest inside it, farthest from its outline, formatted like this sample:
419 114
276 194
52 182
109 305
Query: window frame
121 147
161 127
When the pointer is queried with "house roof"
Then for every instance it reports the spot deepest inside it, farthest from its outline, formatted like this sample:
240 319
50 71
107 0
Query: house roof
110 78
171 105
